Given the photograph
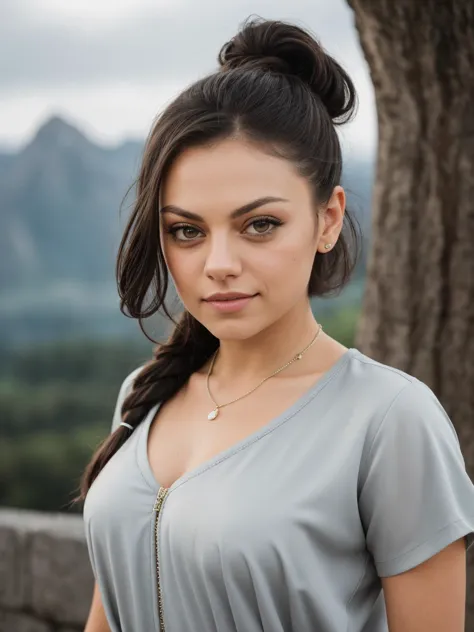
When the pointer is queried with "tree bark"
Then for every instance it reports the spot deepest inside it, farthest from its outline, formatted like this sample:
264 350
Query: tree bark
418 311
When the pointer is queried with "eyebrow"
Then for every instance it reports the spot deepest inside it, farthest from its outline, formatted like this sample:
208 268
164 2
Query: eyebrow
238 212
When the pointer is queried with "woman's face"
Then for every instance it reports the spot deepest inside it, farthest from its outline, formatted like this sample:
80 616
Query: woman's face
236 221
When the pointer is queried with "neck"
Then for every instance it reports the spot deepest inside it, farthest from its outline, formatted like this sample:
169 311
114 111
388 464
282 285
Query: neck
266 352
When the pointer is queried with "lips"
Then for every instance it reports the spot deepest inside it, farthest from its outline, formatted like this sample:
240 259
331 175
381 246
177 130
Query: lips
229 302
228 296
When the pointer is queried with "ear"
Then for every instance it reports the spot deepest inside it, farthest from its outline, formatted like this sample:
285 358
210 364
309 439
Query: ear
331 219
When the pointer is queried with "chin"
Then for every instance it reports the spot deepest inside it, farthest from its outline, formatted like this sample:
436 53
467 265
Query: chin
234 329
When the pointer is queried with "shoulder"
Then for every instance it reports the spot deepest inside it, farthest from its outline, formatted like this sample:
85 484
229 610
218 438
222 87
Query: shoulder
385 385
127 384
370 387
400 404
126 388
366 369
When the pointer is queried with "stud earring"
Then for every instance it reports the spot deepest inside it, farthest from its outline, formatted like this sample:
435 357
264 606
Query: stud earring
327 246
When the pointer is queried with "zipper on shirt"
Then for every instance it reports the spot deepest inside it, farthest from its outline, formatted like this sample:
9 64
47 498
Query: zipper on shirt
162 492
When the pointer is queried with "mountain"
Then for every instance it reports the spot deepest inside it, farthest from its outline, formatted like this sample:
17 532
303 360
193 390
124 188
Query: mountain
60 226
59 202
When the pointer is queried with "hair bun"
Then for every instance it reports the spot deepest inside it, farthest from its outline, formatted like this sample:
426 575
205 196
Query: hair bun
288 49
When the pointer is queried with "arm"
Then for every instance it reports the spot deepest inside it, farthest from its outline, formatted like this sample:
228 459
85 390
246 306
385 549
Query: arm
97 621
430 597
417 508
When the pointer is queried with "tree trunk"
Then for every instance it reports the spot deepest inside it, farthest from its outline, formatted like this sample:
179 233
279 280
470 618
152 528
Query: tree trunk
418 312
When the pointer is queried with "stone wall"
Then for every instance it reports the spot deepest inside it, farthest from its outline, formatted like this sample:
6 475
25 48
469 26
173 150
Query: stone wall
46 581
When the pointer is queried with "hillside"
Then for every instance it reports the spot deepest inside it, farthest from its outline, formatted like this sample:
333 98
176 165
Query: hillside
60 226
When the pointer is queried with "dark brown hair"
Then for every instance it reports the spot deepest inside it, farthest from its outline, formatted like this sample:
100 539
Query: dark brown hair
278 88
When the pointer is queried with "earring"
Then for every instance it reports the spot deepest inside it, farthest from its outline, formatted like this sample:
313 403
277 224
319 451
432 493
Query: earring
327 246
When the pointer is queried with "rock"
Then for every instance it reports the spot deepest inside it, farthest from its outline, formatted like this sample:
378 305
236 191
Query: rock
44 567
11 622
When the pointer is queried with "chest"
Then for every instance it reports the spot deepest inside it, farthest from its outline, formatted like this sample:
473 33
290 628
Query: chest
281 506
182 438
279 509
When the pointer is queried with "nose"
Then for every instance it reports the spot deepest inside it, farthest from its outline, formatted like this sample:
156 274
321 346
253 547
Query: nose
222 259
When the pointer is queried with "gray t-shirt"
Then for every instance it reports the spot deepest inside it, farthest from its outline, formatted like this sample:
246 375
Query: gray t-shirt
290 529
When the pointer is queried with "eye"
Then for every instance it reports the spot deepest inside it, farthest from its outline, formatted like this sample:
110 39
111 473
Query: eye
263 226
183 232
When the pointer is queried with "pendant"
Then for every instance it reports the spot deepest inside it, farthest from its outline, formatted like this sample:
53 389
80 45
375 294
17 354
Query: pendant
213 414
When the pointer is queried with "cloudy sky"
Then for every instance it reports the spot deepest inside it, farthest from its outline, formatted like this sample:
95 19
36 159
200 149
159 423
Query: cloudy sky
109 66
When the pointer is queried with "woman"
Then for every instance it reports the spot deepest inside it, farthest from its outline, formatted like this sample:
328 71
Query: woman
260 475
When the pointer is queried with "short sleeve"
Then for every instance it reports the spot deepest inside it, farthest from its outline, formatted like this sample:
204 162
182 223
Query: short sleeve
416 497
125 388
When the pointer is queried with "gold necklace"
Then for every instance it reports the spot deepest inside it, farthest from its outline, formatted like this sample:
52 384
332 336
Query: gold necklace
213 414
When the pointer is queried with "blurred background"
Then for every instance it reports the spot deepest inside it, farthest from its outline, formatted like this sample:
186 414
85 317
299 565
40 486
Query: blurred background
80 86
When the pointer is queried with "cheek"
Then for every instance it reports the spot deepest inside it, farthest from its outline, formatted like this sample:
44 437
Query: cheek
288 263
182 267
